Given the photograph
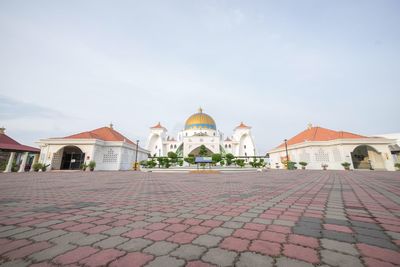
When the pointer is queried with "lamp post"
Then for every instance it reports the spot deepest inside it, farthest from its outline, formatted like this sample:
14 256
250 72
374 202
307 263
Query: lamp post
287 155
137 148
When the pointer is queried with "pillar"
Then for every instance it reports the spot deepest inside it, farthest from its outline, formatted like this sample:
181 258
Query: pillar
10 162
23 163
34 161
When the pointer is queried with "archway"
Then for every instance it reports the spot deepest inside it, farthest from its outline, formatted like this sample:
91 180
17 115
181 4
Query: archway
72 158
366 157
195 152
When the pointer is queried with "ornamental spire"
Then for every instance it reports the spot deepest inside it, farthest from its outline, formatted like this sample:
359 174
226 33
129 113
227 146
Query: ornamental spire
200 110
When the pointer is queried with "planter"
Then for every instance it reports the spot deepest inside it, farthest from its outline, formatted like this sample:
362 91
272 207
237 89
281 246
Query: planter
303 168
91 169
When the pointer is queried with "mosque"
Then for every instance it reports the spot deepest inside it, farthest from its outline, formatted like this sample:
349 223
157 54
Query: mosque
201 129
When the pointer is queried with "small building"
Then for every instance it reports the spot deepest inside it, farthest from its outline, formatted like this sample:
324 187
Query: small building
395 147
107 147
16 155
324 147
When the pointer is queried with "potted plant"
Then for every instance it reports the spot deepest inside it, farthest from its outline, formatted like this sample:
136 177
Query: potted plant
324 166
44 167
397 165
84 166
346 165
91 165
303 165
37 166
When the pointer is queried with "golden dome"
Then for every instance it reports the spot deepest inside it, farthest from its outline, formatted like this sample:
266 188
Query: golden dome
200 120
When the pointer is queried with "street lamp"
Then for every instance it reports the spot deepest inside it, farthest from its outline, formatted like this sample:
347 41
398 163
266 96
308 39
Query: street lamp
287 155
137 148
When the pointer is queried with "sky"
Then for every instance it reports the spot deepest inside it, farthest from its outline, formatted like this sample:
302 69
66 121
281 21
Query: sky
73 66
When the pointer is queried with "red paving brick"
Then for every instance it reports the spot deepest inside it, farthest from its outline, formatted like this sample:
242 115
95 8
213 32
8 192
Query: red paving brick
247 234
379 253
158 235
273 236
236 244
75 255
27 250
301 253
182 238
338 228
303 240
102 258
265 247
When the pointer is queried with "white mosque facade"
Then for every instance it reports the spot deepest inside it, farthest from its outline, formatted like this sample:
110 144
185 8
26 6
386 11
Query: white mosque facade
201 129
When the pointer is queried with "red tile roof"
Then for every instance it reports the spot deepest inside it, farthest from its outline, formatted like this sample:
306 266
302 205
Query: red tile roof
320 134
7 143
158 125
103 133
242 125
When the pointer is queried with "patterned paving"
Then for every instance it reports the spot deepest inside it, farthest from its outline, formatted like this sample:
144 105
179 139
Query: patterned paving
276 218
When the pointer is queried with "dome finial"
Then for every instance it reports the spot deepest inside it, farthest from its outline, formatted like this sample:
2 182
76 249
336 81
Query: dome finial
200 110
111 125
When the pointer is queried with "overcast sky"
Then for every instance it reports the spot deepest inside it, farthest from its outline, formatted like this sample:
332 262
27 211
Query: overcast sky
72 66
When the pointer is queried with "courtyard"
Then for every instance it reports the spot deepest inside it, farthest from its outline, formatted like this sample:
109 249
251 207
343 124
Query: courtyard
274 218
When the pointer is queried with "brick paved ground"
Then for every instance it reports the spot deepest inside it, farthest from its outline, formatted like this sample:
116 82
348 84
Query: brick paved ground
277 218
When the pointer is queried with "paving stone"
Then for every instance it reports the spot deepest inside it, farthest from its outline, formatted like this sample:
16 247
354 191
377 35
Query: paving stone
117 230
67 238
131 260
110 242
160 248
166 261
49 235
30 233
337 222
189 252
51 252
249 259
86 240
261 221
219 257
16 263
102 258
233 225
383 243
287 262
221 231
207 240
339 246
366 225
75 255
371 232
338 259
307 231
136 244
14 231
344 237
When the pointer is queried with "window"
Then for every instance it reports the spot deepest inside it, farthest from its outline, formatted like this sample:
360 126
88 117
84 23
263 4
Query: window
226 146
244 146
171 146
174 146
229 146
214 134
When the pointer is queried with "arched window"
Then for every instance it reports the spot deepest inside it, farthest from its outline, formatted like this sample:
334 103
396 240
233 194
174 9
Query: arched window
174 146
229 146
226 146
171 146
244 146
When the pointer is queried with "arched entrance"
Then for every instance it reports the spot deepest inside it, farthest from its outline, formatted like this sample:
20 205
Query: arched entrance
367 158
196 152
72 158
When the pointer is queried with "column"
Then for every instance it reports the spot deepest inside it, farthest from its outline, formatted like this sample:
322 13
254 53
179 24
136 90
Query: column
34 161
10 162
23 163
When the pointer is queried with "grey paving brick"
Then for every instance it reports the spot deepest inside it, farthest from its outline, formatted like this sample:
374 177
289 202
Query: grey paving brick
51 252
7 228
307 231
67 238
15 231
283 222
117 230
366 225
219 257
221 231
233 225
241 219
338 259
138 224
371 232
222 218
166 261
337 222
86 240
248 259
204 217
156 219
48 223
262 221
339 246
136 244
49 235
189 252
110 242
379 242
311 219
207 240
344 237
160 248
30 233
16 263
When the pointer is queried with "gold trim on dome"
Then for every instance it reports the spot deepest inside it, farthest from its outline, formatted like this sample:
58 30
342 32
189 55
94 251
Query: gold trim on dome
200 121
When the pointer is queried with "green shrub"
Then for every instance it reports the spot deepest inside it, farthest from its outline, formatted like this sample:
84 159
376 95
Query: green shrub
92 165
44 167
37 166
